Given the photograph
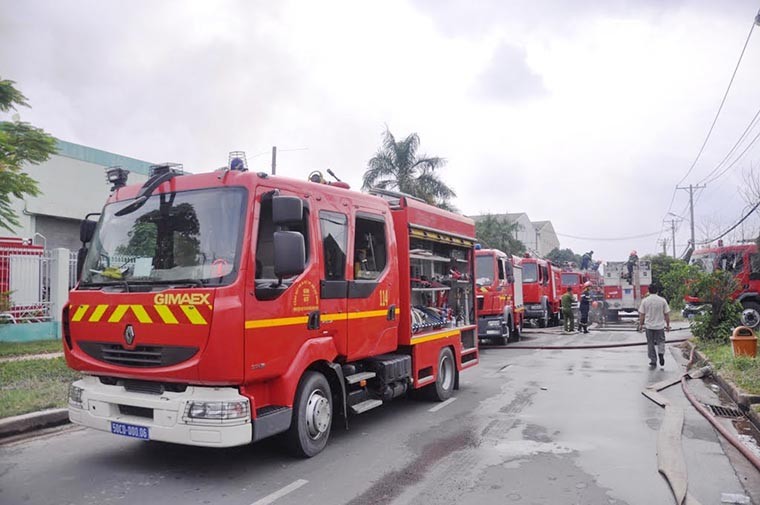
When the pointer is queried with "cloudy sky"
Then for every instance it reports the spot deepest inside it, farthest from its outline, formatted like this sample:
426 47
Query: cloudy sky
586 113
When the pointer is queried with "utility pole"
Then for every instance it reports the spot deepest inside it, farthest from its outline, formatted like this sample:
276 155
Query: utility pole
274 160
664 243
673 222
691 189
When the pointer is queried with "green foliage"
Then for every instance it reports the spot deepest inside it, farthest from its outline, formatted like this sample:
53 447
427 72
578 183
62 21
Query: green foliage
396 166
33 347
674 276
34 384
741 370
494 232
20 143
561 256
722 313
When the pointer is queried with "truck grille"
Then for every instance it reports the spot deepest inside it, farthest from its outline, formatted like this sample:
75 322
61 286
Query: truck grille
145 356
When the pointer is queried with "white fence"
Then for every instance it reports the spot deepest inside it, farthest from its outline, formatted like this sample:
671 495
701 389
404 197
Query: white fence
26 283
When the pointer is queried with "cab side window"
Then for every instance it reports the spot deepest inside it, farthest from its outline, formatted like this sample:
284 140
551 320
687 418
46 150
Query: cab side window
268 286
334 244
500 263
754 266
370 247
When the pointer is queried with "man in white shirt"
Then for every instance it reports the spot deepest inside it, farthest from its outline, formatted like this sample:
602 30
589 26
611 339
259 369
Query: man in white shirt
654 317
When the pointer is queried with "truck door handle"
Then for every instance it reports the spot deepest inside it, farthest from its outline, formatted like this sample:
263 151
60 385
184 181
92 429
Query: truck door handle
391 316
313 323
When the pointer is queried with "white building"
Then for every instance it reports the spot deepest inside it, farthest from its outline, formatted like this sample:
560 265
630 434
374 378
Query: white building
538 237
73 184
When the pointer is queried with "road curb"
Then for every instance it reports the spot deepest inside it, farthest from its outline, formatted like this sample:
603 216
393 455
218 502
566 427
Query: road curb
743 400
33 421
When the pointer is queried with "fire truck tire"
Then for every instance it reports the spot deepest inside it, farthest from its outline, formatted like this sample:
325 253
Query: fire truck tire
312 416
543 321
444 383
751 314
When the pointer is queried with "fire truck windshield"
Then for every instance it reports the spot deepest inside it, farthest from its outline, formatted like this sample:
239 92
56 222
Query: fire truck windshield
705 261
484 270
530 272
188 237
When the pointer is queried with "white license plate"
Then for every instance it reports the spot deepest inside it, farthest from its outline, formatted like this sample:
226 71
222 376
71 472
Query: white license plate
130 430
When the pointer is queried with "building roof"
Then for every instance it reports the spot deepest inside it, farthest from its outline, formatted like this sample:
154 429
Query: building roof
539 225
103 158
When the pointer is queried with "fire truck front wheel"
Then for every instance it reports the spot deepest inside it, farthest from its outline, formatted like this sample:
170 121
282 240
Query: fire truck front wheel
751 314
444 383
312 416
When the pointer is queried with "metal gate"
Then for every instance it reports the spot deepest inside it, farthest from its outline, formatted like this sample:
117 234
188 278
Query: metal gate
24 284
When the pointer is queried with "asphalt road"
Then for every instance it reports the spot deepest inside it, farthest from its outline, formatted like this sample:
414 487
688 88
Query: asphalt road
526 427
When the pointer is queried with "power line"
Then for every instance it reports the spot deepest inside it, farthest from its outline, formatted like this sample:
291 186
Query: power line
719 175
610 239
741 139
722 102
744 218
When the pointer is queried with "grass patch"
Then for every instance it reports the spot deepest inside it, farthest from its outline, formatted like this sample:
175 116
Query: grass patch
34 384
742 371
8 349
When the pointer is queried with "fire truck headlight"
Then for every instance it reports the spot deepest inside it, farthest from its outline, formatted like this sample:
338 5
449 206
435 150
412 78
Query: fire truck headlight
218 410
75 396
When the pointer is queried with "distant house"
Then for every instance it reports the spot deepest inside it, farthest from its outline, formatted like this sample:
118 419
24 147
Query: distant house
73 184
539 237
546 238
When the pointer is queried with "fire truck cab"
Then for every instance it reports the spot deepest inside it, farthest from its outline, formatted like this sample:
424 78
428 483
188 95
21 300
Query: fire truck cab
541 295
740 260
222 308
499 297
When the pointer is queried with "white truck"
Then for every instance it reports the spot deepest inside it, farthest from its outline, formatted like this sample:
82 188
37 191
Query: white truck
624 294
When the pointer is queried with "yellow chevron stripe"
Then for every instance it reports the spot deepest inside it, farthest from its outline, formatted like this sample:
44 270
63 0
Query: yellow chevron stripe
166 314
80 312
118 313
98 313
192 314
141 314
434 336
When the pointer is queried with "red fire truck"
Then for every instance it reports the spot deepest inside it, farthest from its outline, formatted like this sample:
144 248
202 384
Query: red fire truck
499 297
222 308
541 291
741 260
622 294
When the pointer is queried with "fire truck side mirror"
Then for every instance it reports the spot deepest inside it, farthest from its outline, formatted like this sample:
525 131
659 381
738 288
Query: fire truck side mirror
286 210
289 253
87 231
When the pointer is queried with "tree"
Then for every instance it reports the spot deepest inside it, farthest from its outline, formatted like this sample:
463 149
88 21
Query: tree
396 166
675 276
559 256
496 232
20 143
721 313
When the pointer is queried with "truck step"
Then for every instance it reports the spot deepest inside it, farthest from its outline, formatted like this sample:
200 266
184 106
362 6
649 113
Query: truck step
353 379
365 406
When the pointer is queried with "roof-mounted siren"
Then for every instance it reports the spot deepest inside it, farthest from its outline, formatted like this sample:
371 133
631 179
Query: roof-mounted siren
237 161
117 177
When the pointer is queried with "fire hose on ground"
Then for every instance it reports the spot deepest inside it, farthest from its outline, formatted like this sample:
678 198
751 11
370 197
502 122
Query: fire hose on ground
671 466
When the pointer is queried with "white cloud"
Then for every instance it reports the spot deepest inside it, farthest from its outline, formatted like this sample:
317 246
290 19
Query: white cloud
600 110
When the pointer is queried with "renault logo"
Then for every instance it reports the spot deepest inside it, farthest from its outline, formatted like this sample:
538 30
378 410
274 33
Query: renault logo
129 334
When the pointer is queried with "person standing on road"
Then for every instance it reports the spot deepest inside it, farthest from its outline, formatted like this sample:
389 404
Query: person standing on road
585 306
654 317
567 310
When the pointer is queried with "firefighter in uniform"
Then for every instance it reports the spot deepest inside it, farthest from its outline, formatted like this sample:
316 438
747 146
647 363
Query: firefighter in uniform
633 260
585 306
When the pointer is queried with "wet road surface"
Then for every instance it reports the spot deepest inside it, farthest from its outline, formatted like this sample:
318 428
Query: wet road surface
526 427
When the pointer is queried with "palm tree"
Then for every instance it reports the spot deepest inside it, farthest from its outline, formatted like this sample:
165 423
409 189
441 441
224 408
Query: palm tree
396 166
